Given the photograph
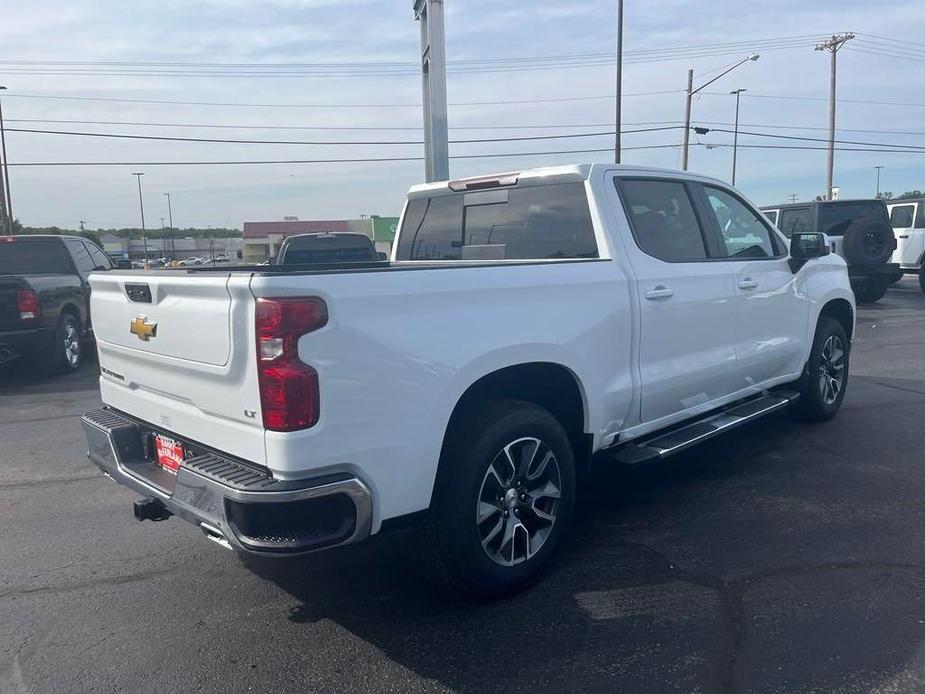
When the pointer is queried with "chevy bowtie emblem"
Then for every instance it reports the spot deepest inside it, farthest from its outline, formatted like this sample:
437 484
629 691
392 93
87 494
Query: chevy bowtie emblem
143 328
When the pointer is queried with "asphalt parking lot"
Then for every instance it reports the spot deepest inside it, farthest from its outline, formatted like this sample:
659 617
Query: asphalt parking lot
782 557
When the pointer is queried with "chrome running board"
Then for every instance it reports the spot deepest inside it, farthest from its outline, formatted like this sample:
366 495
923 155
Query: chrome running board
663 444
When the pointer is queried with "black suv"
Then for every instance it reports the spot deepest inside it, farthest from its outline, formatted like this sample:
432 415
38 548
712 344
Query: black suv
858 230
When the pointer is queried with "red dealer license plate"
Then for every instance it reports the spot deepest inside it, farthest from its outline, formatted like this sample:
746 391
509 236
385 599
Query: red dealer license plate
169 453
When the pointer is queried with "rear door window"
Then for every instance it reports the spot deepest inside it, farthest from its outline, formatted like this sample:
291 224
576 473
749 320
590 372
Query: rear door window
836 218
795 221
81 256
100 260
902 216
662 218
744 233
528 223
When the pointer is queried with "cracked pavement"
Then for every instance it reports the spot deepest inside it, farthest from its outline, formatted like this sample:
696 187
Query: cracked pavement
782 557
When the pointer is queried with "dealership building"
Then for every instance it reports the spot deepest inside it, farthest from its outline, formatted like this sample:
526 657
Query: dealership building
263 239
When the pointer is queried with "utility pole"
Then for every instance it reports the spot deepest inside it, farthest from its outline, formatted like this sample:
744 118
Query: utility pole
793 197
690 96
619 104
878 179
7 202
735 136
832 46
82 226
433 79
141 204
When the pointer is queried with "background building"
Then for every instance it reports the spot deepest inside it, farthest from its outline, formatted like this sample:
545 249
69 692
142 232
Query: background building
176 248
263 239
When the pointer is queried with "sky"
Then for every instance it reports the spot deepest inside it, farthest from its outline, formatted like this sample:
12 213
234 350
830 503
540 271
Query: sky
876 68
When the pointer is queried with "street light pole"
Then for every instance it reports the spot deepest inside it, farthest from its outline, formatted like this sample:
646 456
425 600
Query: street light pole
690 95
878 179
8 202
141 204
173 250
735 136
619 104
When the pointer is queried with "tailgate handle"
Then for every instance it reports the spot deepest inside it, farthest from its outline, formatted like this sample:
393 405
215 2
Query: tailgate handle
139 293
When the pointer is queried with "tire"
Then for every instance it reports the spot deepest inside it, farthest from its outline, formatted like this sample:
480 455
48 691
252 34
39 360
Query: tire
894 278
825 378
65 354
872 289
868 243
922 277
476 506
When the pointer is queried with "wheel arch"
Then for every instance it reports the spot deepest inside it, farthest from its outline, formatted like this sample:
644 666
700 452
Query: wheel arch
842 311
550 385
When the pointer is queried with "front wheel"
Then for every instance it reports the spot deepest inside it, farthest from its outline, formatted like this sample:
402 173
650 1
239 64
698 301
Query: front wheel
822 387
503 498
872 289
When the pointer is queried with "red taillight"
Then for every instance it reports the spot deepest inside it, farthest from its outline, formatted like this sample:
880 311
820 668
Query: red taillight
289 393
27 301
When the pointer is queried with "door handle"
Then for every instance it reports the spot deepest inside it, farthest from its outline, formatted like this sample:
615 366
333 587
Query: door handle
660 292
904 236
748 283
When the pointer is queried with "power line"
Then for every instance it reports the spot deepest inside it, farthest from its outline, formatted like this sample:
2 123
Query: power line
167 138
320 106
917 148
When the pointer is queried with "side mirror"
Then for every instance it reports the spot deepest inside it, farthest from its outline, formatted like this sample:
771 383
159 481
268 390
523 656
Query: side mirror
382 256
806 246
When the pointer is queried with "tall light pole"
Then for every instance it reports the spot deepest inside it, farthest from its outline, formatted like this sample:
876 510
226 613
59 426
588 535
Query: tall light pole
141 204
735 136
878 179
170 219
619 104
690 95
8 202
832 46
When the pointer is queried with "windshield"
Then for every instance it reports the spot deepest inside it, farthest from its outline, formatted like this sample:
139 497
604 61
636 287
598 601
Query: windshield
33 256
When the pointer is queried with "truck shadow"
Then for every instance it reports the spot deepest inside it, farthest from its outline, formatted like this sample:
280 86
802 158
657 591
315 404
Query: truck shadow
651 591
21 375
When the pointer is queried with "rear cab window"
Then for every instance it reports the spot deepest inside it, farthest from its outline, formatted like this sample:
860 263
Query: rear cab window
835 218
540 222
33 256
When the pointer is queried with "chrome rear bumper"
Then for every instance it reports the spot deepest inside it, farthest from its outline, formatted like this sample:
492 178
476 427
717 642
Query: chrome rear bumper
234 504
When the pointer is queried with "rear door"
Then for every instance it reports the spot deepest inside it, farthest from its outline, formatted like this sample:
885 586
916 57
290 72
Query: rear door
910 242
686 300
771 316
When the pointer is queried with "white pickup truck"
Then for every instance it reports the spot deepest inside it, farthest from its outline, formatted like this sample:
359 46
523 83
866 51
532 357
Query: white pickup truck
525 323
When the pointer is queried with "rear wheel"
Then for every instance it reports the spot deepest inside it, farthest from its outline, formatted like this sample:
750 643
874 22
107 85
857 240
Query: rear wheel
503 498
64 353
871 289
822 386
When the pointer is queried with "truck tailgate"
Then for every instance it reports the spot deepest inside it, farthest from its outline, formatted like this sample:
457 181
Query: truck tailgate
177 350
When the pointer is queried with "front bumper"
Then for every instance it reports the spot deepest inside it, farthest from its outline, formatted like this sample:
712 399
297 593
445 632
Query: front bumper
234 504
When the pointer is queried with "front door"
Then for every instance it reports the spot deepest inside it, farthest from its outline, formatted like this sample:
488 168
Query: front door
771 317
686 301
